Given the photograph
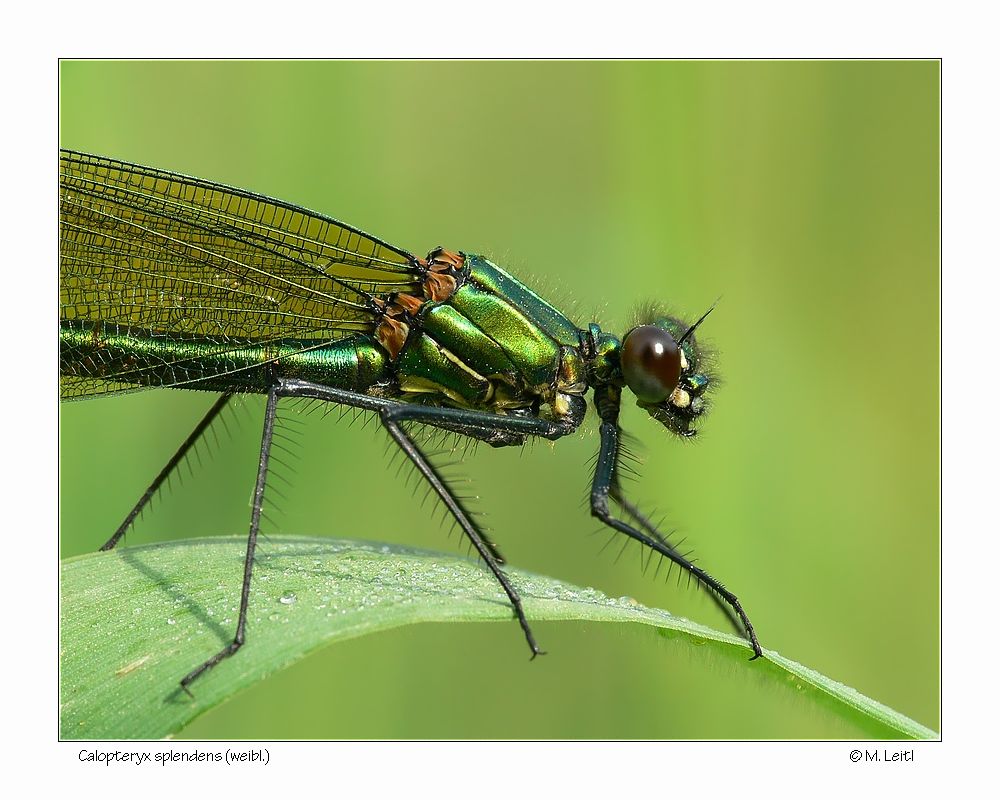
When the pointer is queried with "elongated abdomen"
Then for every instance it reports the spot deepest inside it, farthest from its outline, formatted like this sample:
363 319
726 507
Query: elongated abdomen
109 357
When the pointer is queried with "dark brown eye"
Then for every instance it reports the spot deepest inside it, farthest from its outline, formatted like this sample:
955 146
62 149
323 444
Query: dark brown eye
651 363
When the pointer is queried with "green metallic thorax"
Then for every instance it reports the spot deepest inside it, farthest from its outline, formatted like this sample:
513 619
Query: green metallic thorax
493 344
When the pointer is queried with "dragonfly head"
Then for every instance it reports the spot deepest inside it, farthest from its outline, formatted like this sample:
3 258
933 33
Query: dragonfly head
664 367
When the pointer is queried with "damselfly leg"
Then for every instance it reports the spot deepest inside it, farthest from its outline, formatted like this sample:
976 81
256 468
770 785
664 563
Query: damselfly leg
605 485
267 438
170 466
645 524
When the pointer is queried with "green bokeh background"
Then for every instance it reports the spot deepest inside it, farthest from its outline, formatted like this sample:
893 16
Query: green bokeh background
805 193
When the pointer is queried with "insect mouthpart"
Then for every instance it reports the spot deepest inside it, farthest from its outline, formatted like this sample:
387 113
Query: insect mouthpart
683 407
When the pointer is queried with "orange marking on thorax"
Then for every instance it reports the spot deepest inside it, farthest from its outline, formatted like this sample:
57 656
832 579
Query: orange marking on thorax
409 303
438 285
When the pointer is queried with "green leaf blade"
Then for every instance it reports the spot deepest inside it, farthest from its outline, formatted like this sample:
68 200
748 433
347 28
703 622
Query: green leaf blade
136 620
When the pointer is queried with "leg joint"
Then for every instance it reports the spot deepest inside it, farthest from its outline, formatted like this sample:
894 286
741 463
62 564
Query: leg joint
599 503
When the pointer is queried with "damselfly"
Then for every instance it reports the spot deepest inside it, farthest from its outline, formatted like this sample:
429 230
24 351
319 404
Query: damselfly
172 281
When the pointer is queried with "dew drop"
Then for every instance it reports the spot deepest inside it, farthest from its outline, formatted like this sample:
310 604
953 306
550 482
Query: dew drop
287 599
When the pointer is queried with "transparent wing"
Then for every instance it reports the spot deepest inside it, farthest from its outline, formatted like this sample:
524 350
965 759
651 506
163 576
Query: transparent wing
165 255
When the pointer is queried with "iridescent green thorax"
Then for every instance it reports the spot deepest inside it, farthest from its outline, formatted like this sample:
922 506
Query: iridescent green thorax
490 277
480 338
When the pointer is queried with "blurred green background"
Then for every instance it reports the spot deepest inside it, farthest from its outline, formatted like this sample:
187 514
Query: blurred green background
804 193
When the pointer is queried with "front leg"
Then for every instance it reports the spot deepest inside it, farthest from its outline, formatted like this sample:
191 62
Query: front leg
648 527
606 485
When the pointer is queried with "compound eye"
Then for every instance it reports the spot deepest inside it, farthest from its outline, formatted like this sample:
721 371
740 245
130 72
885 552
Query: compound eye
651 363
